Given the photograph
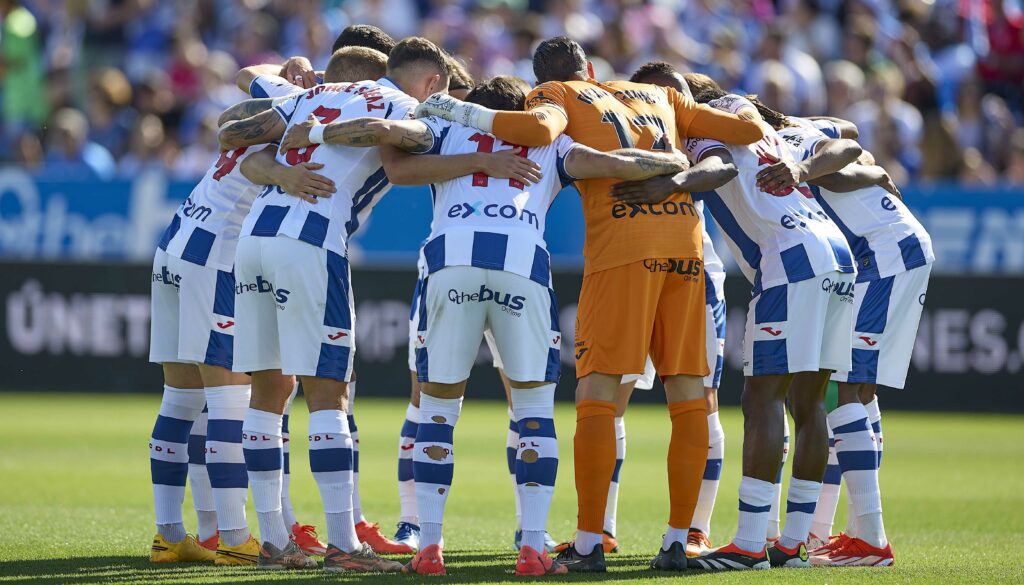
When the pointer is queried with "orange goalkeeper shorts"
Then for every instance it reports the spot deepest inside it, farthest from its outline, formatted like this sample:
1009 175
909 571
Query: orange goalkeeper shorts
650 307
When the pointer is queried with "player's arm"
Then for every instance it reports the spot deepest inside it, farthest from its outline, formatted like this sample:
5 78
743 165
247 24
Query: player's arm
247 75
845 128
261 168
544 119
701 120
857 176
409 135
829 156
630 164
296 70
404 168
245 109
262 128
714 168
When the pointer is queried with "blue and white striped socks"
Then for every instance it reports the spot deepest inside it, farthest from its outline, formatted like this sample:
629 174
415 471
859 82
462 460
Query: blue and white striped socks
262 446
330 460
712 476
168 457
611 509
755 504
511 449
406 482
353 430
434 463
199 479
225 460
287 510
800 502
536 459
857 452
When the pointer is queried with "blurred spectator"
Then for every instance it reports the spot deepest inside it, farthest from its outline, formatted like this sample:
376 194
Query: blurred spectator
21 69
110 96
805 77
70 154
889 127
1015 165
146 148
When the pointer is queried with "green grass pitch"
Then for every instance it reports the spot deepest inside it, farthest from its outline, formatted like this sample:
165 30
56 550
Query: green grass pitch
76 506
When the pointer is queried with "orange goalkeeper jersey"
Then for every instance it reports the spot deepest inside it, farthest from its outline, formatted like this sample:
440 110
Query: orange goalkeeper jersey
620 114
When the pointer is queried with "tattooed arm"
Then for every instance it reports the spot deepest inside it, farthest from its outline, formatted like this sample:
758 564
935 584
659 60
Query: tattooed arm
245 109
408 135
262 128
714 169
630 164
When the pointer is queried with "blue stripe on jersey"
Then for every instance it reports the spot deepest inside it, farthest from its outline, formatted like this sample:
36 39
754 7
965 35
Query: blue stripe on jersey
333 361
867 266
718 313
797 264
170 232
710 297
771 305
197 249
224 430
489 250
438 140
262 459
770 357
256 90
220 350
314 229
224 294
912 252
433 253
874 309
564 178
541 270
748 248
269 221
864 368
337 313
374 184
327 460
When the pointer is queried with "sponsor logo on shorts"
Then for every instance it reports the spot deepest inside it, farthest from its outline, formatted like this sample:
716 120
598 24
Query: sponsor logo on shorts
868 340
225 324
689 269
510 304
631 210
843 290
336 336
581 349
263 285
167 277
772 332
483 209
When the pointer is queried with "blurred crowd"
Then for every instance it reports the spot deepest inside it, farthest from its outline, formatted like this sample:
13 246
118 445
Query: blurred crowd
109 88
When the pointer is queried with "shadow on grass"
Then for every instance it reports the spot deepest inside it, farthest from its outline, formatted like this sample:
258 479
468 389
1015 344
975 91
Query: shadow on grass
463 567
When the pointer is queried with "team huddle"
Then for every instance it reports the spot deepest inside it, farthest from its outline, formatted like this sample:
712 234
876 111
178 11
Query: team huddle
252 295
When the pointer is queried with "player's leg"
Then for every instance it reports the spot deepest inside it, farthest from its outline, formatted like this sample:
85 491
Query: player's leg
613 331
524 324
408 530
303 535
449 334
199 484
828 501
511 437
775 514
611 511
699 539
680 357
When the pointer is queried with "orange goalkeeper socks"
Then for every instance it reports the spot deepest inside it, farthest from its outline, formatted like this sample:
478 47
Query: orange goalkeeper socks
687 456
594 459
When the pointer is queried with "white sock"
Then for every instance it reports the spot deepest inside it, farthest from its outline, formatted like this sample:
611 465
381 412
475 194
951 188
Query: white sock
851 518
330 460
225 460
755 504
825 511
712 475
199 480
357 503
536 459
287 510
800 501
773 516
262 446
875 418
406 481
168 457
511 449
673 535
611 510
586 541
858 457
434 463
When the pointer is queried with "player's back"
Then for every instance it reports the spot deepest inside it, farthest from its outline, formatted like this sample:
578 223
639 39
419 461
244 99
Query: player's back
205 228
776 238
493 223
357 173
884 235
620 114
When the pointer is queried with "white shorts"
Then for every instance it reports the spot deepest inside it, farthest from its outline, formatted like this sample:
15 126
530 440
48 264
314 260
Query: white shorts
294 307
458 303
888 312
414 321
800 327
193 313
714 340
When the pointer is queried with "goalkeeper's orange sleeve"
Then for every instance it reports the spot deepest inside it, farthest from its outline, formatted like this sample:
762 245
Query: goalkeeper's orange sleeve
702 121
537 127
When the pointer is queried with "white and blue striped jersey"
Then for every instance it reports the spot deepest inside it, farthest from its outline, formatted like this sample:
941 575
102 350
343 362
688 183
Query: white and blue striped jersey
884 235
267 86
493 223
714 269
357 172
204 230
776 239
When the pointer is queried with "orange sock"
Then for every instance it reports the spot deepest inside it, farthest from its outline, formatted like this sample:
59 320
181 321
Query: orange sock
687 457
594 458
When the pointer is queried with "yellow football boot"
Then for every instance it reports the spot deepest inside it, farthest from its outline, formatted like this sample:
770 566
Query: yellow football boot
245 554
186 551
